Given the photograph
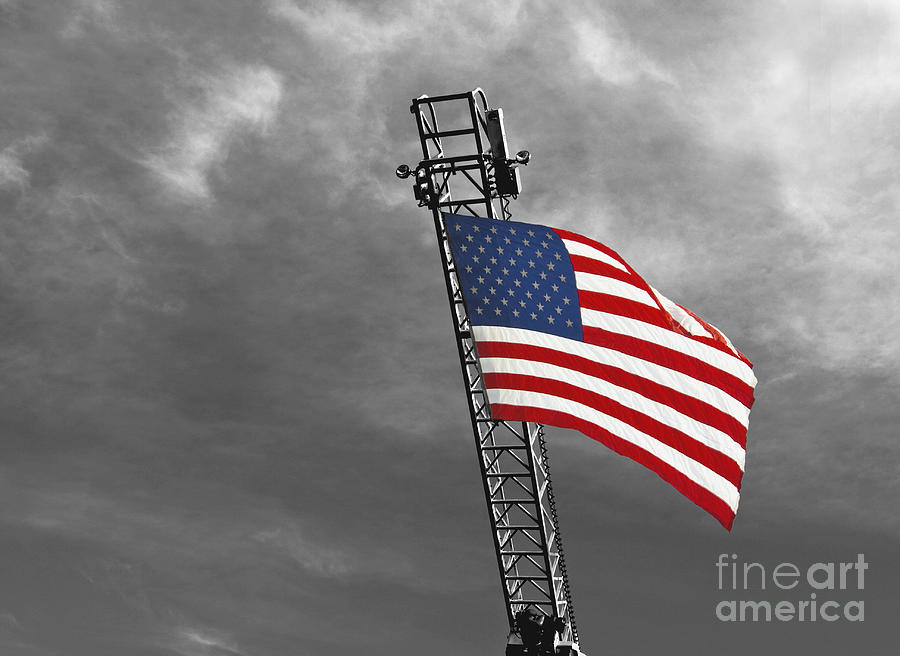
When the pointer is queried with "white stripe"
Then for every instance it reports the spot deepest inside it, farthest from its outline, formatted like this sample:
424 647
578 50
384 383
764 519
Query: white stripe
700 474
708 435
578 248
680 315
662 337
593 282
676 380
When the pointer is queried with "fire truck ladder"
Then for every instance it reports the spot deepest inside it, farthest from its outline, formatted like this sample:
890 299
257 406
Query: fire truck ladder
512 456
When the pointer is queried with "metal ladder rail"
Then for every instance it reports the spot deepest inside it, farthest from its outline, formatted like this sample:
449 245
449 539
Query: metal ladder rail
511 455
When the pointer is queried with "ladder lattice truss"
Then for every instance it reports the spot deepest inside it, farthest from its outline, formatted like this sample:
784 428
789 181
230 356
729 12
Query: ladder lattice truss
512 455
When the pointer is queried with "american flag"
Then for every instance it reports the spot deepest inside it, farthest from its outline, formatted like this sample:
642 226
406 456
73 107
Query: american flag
569 335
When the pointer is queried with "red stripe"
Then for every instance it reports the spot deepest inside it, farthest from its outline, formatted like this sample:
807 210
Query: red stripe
585 264
656 315
719 345
731 385
693 491
573 236
682 442
624 307
718 337
684 403
635 277
653 315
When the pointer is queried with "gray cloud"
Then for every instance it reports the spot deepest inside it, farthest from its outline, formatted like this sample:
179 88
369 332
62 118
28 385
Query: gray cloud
232 419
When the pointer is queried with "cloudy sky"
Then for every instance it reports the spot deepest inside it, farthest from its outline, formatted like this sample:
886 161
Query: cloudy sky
232 414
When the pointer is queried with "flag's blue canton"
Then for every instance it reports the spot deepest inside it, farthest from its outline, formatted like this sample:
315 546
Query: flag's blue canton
515 274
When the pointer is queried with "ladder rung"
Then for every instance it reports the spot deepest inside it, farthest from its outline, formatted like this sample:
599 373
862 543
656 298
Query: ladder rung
465 201
514 501
516 447
519 527
522 553
450 133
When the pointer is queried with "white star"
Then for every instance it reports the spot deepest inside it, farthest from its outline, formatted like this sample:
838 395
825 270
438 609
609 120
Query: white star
475 259
528 294
562 277
475 228
526 242
517 283
551 266
497 312
492 290
463 248
474 290
535 284
493 260
480 280
557 256
544 244
478 310
512 231
558 310
555 287
522 303
566 300
499 281
515 313
494 229
481 249
550 319
486 300
539 253
468 269
523 273
457 226
487 269
512 292
533 315
512 262
487 238
506 239
531 233
505 271
519 252
543 276
504 301
531 263
500 250
470 238
546 297
540 306
569 323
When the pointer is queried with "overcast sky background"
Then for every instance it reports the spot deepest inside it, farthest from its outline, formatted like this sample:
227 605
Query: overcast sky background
232 413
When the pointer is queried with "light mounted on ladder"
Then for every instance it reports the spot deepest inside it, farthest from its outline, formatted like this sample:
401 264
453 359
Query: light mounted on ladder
423 188
506 174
